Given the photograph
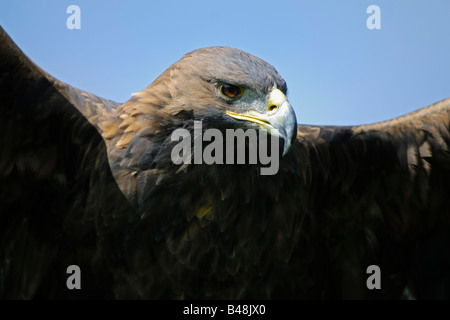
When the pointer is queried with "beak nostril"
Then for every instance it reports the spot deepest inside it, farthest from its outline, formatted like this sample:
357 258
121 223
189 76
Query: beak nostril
272 108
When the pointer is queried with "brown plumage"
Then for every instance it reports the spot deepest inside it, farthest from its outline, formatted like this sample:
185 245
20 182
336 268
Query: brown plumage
88 181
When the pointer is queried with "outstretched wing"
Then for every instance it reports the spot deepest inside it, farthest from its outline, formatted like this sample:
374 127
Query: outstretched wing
379 195
51 210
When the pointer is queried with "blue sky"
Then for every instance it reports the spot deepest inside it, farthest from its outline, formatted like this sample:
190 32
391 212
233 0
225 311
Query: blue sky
338 71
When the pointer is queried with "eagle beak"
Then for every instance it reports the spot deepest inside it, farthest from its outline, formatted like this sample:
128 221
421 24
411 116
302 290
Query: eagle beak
279 119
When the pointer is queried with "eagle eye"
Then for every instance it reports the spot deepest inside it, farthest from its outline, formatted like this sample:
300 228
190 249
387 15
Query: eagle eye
230 91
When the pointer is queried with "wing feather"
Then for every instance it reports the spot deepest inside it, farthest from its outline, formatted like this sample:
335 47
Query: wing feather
381 190
56 186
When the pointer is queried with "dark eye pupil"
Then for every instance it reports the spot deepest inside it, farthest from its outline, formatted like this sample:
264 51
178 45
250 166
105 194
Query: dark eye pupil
230 90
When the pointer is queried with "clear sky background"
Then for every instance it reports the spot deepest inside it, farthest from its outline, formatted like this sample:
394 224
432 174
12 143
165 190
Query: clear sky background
338 71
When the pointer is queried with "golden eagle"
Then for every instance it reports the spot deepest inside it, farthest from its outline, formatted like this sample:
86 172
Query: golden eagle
90 182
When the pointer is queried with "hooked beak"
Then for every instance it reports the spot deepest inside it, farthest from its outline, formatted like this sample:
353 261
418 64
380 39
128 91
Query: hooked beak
279 119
